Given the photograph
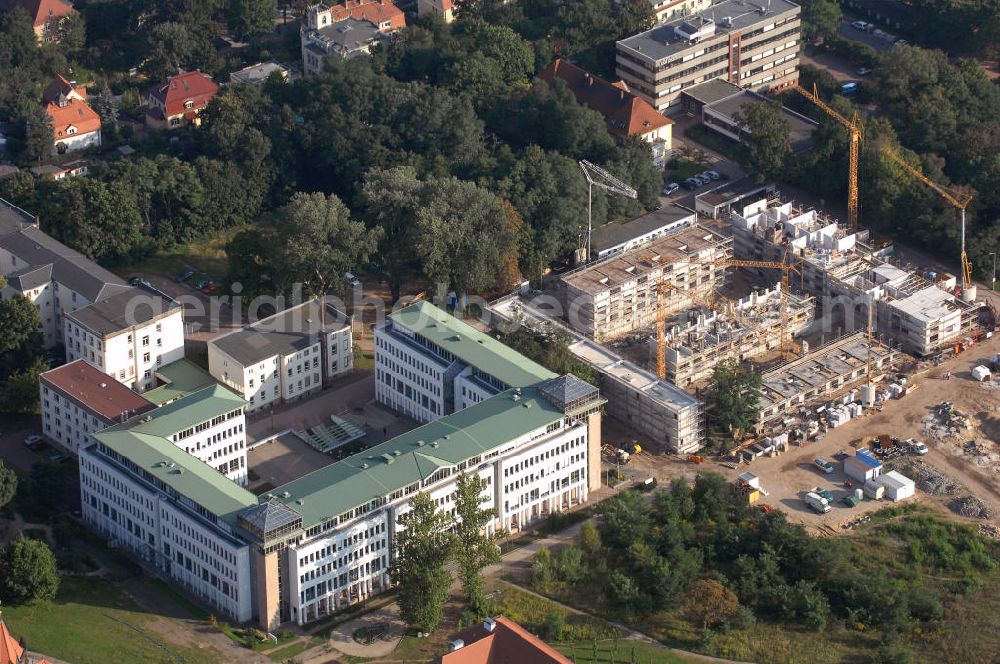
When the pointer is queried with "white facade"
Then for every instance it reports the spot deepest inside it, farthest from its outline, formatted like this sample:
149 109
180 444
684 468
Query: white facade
220 442
527 478
278 359
167 532
410 379
74 141
444 8
131 354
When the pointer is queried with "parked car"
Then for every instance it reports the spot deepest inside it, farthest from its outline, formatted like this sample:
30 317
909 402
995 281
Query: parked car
849 88
210 288
859 25
823 465
864 71
184 276
33 442
671 189
202 283
700 179
919 448
58 458
901 42
689 184
712 175
352 280
139 281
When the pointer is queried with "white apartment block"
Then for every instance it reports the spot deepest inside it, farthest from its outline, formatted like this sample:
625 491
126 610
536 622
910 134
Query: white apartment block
128 336
55 278
429 364
284 357
77 399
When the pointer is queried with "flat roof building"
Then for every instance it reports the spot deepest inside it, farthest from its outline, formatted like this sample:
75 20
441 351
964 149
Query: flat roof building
257 74
752 44
618 295
618 238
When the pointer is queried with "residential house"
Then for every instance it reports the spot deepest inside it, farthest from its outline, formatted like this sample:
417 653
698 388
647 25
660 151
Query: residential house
180 101
12 652
258 73
348 29
625 114
445 8
75 125
47 16
499 640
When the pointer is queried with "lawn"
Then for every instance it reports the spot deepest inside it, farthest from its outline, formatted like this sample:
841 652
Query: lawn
207 257
297 648
92 622
622 652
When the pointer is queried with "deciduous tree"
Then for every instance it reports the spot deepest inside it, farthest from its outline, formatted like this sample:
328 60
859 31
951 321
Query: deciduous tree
710 603
28 571
766 134
474 548
8 484
735 396
422 549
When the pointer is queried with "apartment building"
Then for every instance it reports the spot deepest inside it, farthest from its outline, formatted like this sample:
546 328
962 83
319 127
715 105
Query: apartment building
618 238
619 295
670 416
429 364
75 125
326 540
848 276
55 278
820 375
78 399
285 356
348 29
753 44
667 10
128 336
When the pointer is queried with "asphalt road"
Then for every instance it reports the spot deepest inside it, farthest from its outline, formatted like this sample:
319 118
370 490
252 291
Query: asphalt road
847 31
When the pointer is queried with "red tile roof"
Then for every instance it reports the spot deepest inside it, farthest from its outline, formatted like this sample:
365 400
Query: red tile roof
10 650
625 114
508 643
60 87
74 114
40 11
95 390
191 86
375 11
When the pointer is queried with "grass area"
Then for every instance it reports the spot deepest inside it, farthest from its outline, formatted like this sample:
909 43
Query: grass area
195 610
92 622
295 649
207 257
622 652
532 612
363 361
682 168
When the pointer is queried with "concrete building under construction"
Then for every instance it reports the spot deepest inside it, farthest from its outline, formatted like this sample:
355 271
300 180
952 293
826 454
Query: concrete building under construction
848 275
618 295
822 374
698 339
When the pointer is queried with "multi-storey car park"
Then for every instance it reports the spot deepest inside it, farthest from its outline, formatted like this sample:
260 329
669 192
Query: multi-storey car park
754 44
154 486
846 274
618 295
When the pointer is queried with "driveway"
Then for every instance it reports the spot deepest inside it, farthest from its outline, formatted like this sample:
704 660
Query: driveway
847 31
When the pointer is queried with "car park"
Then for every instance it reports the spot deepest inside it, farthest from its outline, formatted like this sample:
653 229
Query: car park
823 465
700 180
184 276
671 189
712 175
210 288
689 184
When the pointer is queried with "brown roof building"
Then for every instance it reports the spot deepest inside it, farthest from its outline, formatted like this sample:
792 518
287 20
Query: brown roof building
75 125
180 100
47 16
79 399
500 641
12 652
625 114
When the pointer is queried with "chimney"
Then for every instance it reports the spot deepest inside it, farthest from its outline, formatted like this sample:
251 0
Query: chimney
489 625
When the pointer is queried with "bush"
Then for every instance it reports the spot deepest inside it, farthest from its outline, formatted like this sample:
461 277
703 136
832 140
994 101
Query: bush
924 605
553 627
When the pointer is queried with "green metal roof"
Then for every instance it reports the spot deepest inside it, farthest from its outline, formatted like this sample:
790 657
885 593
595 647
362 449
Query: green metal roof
144 442
416 455
470 345
183 378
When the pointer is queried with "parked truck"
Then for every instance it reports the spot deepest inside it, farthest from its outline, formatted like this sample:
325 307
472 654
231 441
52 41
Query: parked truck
817 503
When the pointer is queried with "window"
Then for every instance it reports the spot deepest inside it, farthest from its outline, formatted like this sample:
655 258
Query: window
145 357
145 340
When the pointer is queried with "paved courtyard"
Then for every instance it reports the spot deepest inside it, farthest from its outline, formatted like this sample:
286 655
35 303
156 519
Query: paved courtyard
282 460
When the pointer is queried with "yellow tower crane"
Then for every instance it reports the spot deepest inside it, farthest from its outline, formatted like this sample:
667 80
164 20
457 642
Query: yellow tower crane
960 200
853 127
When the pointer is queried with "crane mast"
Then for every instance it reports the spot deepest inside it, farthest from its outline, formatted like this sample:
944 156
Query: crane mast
597 176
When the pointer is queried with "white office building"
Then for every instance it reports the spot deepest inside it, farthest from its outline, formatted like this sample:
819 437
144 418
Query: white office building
55 278
429 364
128 336
280 358
78 399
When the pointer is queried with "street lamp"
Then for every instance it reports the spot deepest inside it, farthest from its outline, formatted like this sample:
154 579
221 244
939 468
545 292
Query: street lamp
993 283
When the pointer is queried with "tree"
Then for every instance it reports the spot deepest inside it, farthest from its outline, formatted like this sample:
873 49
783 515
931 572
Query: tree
172 46
73 33
766 133
710 603
38 136
21 342
100 220
28 571
19 393
318 242
474 548
251 18
106 106
422 548
250 264
735 395
820 18
8 484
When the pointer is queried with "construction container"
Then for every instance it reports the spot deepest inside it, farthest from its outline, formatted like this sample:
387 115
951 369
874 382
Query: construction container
873 490
981 373
750 480
897 486
859 494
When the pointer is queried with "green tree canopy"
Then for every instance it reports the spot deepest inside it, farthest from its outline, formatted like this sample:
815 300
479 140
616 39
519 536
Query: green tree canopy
735 395
8 484
474 548
28 571
422 549
251 18
766 132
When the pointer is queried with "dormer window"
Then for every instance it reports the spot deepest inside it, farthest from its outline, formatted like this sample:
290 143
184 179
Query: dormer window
189 104
71 130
